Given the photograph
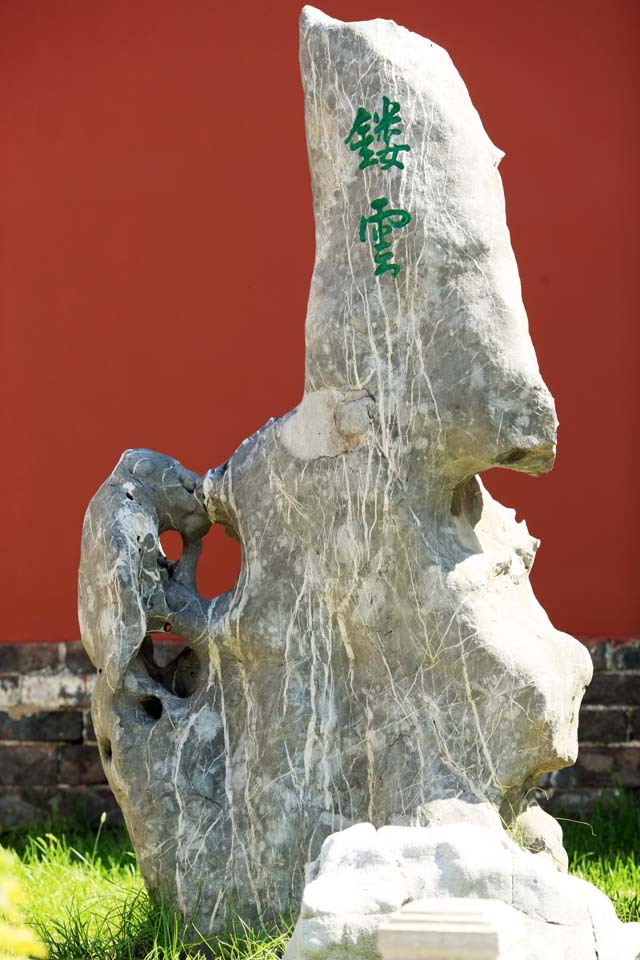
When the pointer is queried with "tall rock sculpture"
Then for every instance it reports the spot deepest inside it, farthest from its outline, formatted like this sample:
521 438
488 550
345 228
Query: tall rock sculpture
382 656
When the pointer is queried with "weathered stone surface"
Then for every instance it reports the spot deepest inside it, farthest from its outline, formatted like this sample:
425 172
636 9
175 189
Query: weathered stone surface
538 832
89 731
382 651
363 875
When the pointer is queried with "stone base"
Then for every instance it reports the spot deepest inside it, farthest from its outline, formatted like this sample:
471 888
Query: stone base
363 875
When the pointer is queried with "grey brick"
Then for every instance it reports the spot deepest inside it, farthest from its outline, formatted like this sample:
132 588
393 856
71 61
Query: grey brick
27 764
28 657
626 656
76 658
9 691
89 802
602 726
598 650
614 689
80 765
52 725
601 767
22 806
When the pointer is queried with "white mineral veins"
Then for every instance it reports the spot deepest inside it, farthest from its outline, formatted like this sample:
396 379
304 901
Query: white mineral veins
364 876
382 653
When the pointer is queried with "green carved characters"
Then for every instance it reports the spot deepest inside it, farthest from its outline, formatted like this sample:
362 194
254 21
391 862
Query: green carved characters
386 127
383 255
379 147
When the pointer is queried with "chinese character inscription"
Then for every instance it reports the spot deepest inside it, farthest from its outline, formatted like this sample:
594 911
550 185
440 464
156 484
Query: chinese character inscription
378 146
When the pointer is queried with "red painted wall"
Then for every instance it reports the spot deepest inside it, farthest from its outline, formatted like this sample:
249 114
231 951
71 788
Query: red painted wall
158 243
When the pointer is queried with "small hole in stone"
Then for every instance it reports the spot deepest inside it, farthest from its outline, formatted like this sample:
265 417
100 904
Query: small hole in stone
169 661
219 566
129 496
152 706
171 544
107 750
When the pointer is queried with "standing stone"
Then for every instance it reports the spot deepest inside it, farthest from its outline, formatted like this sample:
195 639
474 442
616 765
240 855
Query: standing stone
382 656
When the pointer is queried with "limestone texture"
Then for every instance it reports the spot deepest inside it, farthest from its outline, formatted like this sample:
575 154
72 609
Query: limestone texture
382 652
363 876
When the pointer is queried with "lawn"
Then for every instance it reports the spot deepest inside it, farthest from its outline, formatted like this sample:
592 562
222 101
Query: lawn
85 896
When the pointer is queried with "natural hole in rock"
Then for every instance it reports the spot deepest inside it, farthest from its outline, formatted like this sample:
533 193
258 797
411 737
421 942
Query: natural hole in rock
219 564
515 455
509 487
172 663
129 496
467 501
152 706
107 750
171 543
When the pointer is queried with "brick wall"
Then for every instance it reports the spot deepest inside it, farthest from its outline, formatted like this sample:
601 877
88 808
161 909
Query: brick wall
609 730
49 758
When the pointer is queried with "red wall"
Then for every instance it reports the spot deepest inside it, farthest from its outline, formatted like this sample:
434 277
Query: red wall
158 244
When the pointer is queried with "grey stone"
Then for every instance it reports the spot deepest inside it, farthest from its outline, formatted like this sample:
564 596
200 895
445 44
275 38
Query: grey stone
382 650
538 832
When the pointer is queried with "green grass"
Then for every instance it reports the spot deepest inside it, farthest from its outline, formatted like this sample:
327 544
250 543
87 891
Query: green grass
606 852
86 899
